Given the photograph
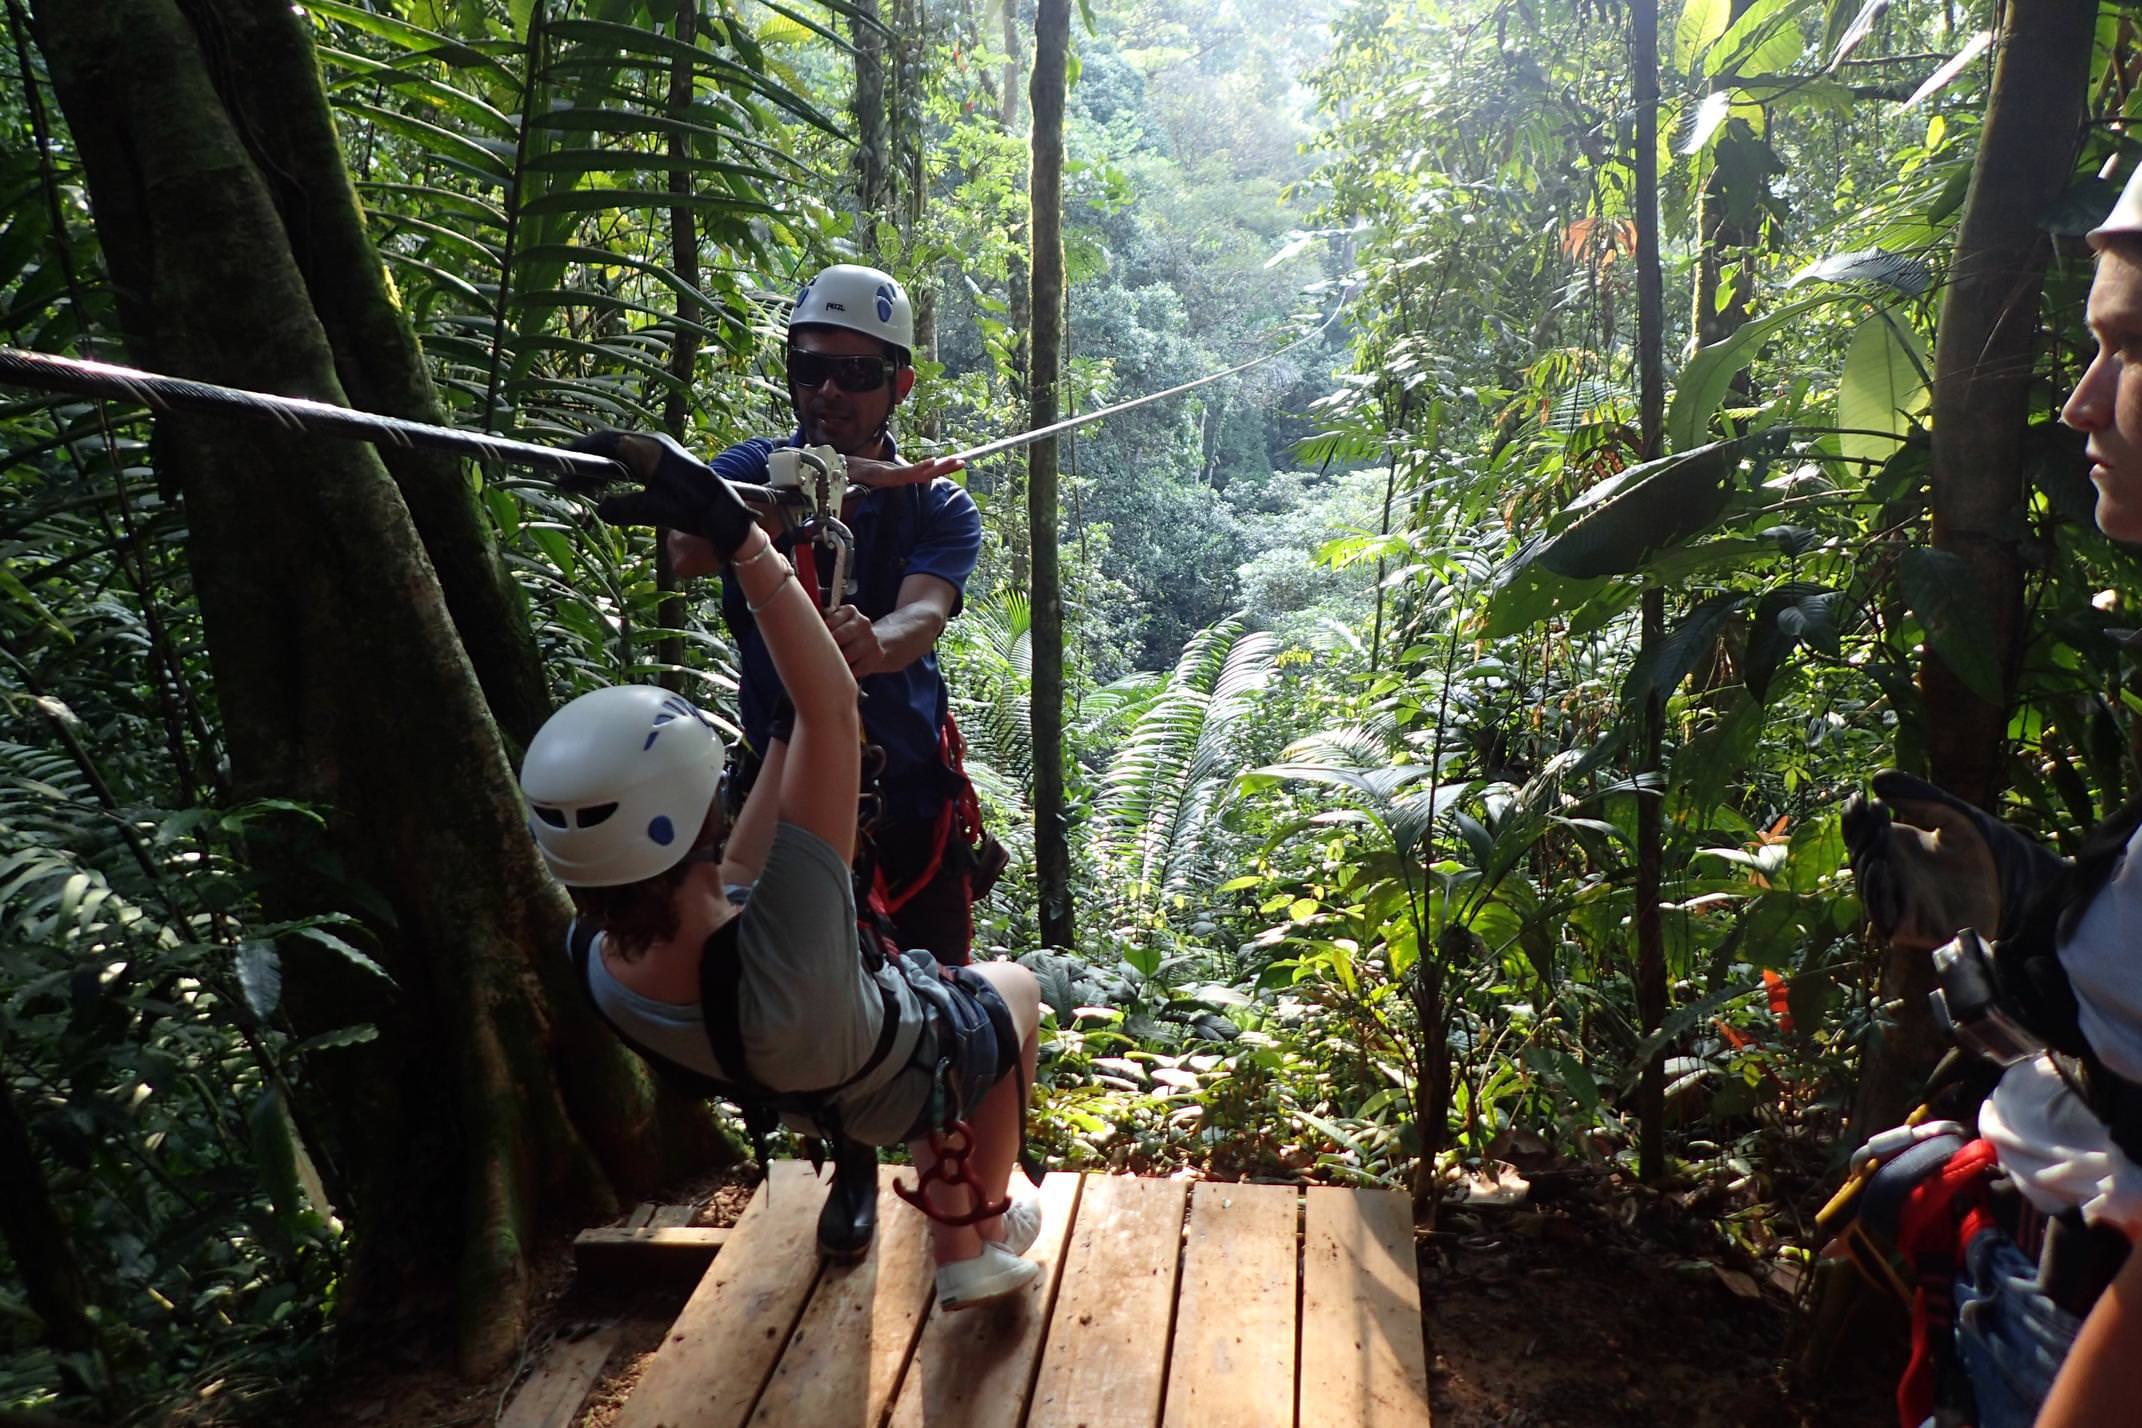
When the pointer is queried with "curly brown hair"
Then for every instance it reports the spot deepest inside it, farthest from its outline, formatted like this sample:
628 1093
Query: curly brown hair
635 916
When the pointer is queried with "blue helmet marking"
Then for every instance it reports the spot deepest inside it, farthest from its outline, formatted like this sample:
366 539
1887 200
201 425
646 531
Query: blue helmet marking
662 830
885 296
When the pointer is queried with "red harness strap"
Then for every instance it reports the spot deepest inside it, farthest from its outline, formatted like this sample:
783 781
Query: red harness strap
965 809
1940 1216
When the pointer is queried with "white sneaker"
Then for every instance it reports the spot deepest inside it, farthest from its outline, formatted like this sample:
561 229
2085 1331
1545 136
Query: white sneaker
1022 1223
992 1274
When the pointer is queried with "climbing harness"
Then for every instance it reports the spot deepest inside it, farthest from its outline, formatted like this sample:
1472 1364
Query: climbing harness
1928 1200
943 1120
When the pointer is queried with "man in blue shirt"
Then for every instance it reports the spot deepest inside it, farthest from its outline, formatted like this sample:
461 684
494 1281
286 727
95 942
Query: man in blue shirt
917 534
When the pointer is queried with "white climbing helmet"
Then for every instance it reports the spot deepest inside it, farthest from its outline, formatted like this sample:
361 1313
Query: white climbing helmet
861 299
2126 216
618 783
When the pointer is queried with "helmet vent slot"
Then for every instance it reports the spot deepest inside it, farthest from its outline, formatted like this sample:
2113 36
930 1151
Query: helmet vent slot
555 817
599 813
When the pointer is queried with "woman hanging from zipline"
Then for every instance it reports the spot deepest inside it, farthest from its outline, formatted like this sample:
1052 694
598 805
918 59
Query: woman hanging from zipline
731 951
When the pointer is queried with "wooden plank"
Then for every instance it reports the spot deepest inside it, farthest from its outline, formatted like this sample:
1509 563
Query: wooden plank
1363 1363
635 1256
554 1392
1233 1364
1107 1353
847 1352
642 1214
972 1368
717 1356
666 1217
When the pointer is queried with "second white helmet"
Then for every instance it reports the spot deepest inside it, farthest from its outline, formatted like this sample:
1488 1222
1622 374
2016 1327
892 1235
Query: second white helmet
860 299
618 783
2125 220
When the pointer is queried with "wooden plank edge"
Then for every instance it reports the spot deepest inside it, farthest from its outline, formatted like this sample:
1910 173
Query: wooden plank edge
657 1252
1175 1304
559 1387
759 1206
1048 1303
1301 1292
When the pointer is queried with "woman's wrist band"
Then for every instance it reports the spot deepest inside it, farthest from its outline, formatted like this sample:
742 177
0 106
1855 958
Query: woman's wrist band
754 606
753 559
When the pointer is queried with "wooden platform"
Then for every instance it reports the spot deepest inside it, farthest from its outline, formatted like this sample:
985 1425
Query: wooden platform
1160 1303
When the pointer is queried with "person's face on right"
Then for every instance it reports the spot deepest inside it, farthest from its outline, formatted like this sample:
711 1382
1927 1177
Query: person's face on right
2106 405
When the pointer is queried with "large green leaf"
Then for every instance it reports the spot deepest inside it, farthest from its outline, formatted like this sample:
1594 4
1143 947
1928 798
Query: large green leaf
1707 377
413 39
1646 508
1764 40
469 154
1660 667
1787 616
1701 22
1942 592
1887 379
1526 592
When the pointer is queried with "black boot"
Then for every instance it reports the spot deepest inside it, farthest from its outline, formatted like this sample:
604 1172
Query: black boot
851 1213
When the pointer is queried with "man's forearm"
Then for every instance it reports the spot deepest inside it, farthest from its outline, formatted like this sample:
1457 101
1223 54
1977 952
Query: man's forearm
907 634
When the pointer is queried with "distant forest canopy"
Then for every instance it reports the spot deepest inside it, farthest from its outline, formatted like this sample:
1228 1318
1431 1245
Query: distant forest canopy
1454 712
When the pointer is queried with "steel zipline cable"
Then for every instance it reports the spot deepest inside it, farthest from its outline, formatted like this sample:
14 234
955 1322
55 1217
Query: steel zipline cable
41 371
46 373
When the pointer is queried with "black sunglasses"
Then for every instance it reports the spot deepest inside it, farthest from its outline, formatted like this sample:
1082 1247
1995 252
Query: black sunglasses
850 374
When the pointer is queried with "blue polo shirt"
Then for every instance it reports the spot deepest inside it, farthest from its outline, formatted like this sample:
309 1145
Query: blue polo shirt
902 531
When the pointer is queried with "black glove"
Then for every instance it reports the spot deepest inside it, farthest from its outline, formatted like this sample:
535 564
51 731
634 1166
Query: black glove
680 491
1928 864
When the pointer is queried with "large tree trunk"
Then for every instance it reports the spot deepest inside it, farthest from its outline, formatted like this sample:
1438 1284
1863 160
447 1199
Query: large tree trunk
263 69
491 1099
1982 378
1045 197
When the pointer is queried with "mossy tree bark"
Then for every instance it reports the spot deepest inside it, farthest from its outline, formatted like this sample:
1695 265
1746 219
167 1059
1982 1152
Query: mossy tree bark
491 1099
263 68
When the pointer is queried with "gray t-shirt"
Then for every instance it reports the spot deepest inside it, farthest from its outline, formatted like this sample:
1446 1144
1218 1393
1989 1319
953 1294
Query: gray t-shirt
808 1012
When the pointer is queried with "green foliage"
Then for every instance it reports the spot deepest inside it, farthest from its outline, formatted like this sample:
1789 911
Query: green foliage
1355 654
